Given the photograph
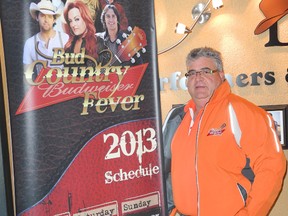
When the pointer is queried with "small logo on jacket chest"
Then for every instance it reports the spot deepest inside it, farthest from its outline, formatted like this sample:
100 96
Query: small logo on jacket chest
217 131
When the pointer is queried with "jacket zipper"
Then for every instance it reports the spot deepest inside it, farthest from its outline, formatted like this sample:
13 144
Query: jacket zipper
196 161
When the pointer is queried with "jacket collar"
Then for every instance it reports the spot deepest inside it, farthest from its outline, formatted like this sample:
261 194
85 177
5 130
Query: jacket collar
219 94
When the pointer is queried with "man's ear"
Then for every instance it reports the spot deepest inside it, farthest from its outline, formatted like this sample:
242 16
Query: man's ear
222 75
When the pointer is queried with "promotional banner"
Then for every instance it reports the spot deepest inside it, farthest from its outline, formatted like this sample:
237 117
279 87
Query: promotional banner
84 112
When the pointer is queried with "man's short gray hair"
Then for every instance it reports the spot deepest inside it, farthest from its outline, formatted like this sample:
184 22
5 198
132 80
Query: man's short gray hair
205 52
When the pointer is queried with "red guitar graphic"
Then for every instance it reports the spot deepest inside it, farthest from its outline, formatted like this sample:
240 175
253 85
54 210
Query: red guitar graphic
135 42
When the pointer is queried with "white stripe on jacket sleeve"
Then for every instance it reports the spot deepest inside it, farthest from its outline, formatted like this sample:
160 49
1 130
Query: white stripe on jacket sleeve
235 127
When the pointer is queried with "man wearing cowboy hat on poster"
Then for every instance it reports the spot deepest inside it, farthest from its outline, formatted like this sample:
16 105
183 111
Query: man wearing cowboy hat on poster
40 46
273 11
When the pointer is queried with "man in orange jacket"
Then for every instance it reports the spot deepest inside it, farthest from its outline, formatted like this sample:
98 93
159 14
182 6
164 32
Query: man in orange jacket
220 137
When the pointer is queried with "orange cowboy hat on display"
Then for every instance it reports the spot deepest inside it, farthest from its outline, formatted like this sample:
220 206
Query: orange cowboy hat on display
45 7
273 10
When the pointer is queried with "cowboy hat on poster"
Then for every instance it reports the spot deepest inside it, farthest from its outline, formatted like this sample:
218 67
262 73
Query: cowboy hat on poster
273 11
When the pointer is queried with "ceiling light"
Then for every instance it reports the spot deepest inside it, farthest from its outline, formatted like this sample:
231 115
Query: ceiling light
200 14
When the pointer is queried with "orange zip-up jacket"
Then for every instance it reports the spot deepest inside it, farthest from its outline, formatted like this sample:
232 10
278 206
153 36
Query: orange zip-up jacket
210 152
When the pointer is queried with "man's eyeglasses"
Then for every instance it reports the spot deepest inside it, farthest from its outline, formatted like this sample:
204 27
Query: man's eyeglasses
202 72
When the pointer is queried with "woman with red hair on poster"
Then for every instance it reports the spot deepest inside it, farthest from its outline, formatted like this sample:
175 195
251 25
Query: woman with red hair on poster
80 28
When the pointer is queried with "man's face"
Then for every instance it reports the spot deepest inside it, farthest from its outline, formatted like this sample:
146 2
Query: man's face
111 20
202 86
45 21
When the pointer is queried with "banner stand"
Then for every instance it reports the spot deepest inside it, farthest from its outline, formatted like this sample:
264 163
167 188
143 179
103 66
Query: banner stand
6 188
82 108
